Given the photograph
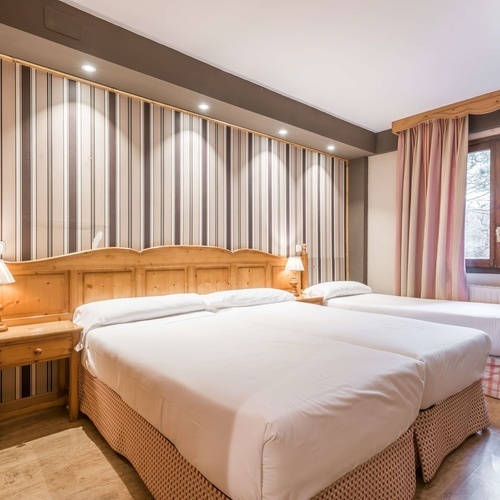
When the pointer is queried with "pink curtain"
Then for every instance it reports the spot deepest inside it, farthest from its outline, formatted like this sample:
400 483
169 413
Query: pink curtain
430 211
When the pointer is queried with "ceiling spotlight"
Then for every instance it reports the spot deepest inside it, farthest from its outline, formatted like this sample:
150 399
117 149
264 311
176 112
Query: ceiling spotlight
204 107
89 68
282 132
330 148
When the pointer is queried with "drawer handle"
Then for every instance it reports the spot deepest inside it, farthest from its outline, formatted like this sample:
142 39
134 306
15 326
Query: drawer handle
37 351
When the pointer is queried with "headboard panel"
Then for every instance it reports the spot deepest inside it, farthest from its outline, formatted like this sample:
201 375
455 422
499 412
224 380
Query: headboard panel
51 289
96 284
38 293
159 281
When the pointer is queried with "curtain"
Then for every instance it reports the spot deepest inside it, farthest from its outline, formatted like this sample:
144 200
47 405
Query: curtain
430 211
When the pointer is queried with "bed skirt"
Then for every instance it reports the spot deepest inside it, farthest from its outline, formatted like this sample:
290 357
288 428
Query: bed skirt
445 426
168 475
491 377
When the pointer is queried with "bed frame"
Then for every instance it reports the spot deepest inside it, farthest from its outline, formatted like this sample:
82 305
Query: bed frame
51 289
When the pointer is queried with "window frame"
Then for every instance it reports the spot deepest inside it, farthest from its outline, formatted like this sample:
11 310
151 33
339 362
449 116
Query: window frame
491 265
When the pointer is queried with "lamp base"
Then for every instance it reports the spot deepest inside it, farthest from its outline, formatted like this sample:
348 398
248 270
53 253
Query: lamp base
294 283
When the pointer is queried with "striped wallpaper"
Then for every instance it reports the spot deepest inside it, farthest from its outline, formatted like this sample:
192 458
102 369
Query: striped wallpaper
77 160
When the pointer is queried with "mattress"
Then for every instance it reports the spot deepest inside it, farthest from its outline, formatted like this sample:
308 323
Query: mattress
485 317
260 411
454 356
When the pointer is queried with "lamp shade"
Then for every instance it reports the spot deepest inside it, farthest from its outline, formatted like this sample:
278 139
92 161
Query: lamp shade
294 264
5 276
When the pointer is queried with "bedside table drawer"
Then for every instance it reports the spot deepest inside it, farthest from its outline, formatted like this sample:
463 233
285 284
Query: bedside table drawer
28 353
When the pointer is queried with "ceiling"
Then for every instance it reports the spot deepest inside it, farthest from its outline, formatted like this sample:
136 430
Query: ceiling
333 74
368 63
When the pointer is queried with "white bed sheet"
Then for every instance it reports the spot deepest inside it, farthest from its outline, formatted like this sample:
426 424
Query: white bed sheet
455 357
485 317
261 412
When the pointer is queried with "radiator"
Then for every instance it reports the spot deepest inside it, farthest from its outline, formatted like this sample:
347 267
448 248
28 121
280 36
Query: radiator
483 293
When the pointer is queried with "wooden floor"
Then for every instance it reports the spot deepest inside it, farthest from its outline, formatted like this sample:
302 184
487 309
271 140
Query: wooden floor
472 472
44 456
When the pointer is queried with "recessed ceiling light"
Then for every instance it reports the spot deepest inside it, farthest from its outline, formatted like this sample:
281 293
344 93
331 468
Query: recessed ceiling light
330 148
204 107
89 68
282 132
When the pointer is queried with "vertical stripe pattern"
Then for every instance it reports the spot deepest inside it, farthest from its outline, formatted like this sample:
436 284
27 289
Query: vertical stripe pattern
76 160
26 127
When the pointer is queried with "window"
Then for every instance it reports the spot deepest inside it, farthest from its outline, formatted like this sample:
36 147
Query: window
482 206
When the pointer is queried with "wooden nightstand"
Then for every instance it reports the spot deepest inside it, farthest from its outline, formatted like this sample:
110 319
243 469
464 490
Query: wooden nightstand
310 300
28 344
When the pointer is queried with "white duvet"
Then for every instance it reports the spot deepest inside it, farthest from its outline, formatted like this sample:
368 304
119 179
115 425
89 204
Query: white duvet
260 411
455 357
485 317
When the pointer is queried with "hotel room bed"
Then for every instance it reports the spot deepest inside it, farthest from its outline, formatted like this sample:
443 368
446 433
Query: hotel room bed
454 357
486 317
53 288
260 411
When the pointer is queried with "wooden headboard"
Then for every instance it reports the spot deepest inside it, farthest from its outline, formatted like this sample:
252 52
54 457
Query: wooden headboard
51 289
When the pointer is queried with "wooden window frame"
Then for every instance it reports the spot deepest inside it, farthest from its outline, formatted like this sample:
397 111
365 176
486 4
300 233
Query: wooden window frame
491 265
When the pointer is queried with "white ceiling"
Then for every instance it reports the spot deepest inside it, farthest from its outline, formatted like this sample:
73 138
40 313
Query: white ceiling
367 62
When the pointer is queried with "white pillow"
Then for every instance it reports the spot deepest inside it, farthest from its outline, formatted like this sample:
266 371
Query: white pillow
330 289
115 311
247 297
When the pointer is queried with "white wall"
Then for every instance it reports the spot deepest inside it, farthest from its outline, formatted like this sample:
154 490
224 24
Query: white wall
381 221
382 224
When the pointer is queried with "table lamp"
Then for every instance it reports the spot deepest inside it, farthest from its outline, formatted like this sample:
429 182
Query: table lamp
294 264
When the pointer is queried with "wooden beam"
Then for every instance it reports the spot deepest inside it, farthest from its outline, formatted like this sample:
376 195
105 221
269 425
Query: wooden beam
480 105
